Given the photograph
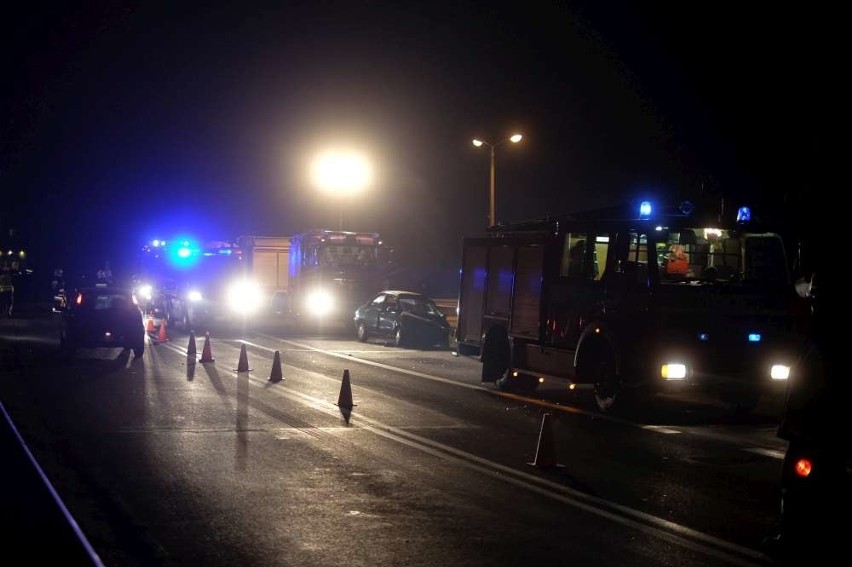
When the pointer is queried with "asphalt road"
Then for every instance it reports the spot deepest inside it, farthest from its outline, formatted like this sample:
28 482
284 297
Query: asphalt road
169 461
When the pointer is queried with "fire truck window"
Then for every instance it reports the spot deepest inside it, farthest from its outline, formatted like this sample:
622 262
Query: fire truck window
574 255
600 253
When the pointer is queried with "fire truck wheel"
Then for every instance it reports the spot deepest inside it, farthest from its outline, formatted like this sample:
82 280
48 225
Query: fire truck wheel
597 365
495 354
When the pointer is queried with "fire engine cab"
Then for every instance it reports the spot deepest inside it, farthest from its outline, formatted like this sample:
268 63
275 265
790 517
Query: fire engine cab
630 301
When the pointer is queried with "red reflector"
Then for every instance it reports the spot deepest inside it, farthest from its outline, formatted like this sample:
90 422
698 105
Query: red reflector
803 467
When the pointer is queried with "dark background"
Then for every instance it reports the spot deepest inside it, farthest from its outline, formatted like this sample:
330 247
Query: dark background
129 121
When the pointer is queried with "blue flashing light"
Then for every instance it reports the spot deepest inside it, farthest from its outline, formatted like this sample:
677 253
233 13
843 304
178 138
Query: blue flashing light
225 251
743 214
644 209
703 337
754 337
184 255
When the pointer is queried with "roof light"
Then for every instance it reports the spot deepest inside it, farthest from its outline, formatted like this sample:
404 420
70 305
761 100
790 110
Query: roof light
743 214
644 209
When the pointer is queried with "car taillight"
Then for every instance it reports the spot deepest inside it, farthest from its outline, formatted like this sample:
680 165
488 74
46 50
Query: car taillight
803 467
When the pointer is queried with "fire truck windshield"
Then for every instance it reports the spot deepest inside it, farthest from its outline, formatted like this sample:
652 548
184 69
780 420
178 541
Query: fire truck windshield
346 255
719 255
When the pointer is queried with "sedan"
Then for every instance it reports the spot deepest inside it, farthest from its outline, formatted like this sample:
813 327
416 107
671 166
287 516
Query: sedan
103 316
407 317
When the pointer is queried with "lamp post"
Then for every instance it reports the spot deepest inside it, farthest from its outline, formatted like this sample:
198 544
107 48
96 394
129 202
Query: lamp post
515 138
341 173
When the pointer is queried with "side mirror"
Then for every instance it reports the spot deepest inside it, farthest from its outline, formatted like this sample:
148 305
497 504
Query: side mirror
804 289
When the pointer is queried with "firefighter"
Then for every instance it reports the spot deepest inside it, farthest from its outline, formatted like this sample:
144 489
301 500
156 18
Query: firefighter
7 291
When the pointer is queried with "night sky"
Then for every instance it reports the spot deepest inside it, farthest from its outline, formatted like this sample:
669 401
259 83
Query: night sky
127 122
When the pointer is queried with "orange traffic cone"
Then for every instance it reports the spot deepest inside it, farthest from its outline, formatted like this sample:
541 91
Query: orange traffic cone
545 453
150 328
275 375
344 400
190 348
242 365
161 336
206 355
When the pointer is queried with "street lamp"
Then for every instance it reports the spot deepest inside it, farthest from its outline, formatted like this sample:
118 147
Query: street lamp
515 138
341 173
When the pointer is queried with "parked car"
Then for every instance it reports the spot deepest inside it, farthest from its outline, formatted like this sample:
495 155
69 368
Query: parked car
411 319
816 478
102 316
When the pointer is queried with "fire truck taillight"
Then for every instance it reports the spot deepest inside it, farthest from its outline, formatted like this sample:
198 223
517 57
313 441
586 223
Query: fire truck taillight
803 467
673 371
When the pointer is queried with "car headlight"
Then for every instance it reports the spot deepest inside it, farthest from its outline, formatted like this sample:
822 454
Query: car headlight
319 303
194 295
244 297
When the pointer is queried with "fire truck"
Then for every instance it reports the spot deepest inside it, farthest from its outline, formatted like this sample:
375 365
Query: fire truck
193 284
630 301
334 272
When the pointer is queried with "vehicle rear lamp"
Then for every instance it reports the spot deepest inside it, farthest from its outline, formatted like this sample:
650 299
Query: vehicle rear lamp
803 467
779 372
673 371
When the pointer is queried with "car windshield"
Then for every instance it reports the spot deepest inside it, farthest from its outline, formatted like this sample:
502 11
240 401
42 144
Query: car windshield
419 306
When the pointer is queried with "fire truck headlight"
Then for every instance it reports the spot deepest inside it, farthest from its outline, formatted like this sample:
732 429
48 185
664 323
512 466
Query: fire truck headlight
194 295
673 371
319 303
145 292
244 297
779 372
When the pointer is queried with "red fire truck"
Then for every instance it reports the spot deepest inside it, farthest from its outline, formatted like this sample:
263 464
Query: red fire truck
333 272
630 301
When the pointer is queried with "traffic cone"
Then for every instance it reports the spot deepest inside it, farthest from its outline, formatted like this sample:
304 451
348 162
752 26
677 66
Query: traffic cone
150 328
190 348
242 365
276 375
545 452
161 336
344 400
206 355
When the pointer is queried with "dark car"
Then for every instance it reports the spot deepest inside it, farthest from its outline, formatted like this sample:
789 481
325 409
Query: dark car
816 478
409 318
103 316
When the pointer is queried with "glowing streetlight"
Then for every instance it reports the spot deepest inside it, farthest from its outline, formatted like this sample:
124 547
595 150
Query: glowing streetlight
515 138
341 173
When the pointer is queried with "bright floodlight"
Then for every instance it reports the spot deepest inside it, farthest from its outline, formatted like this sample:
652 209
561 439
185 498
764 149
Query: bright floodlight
515 138
341 172
477 142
